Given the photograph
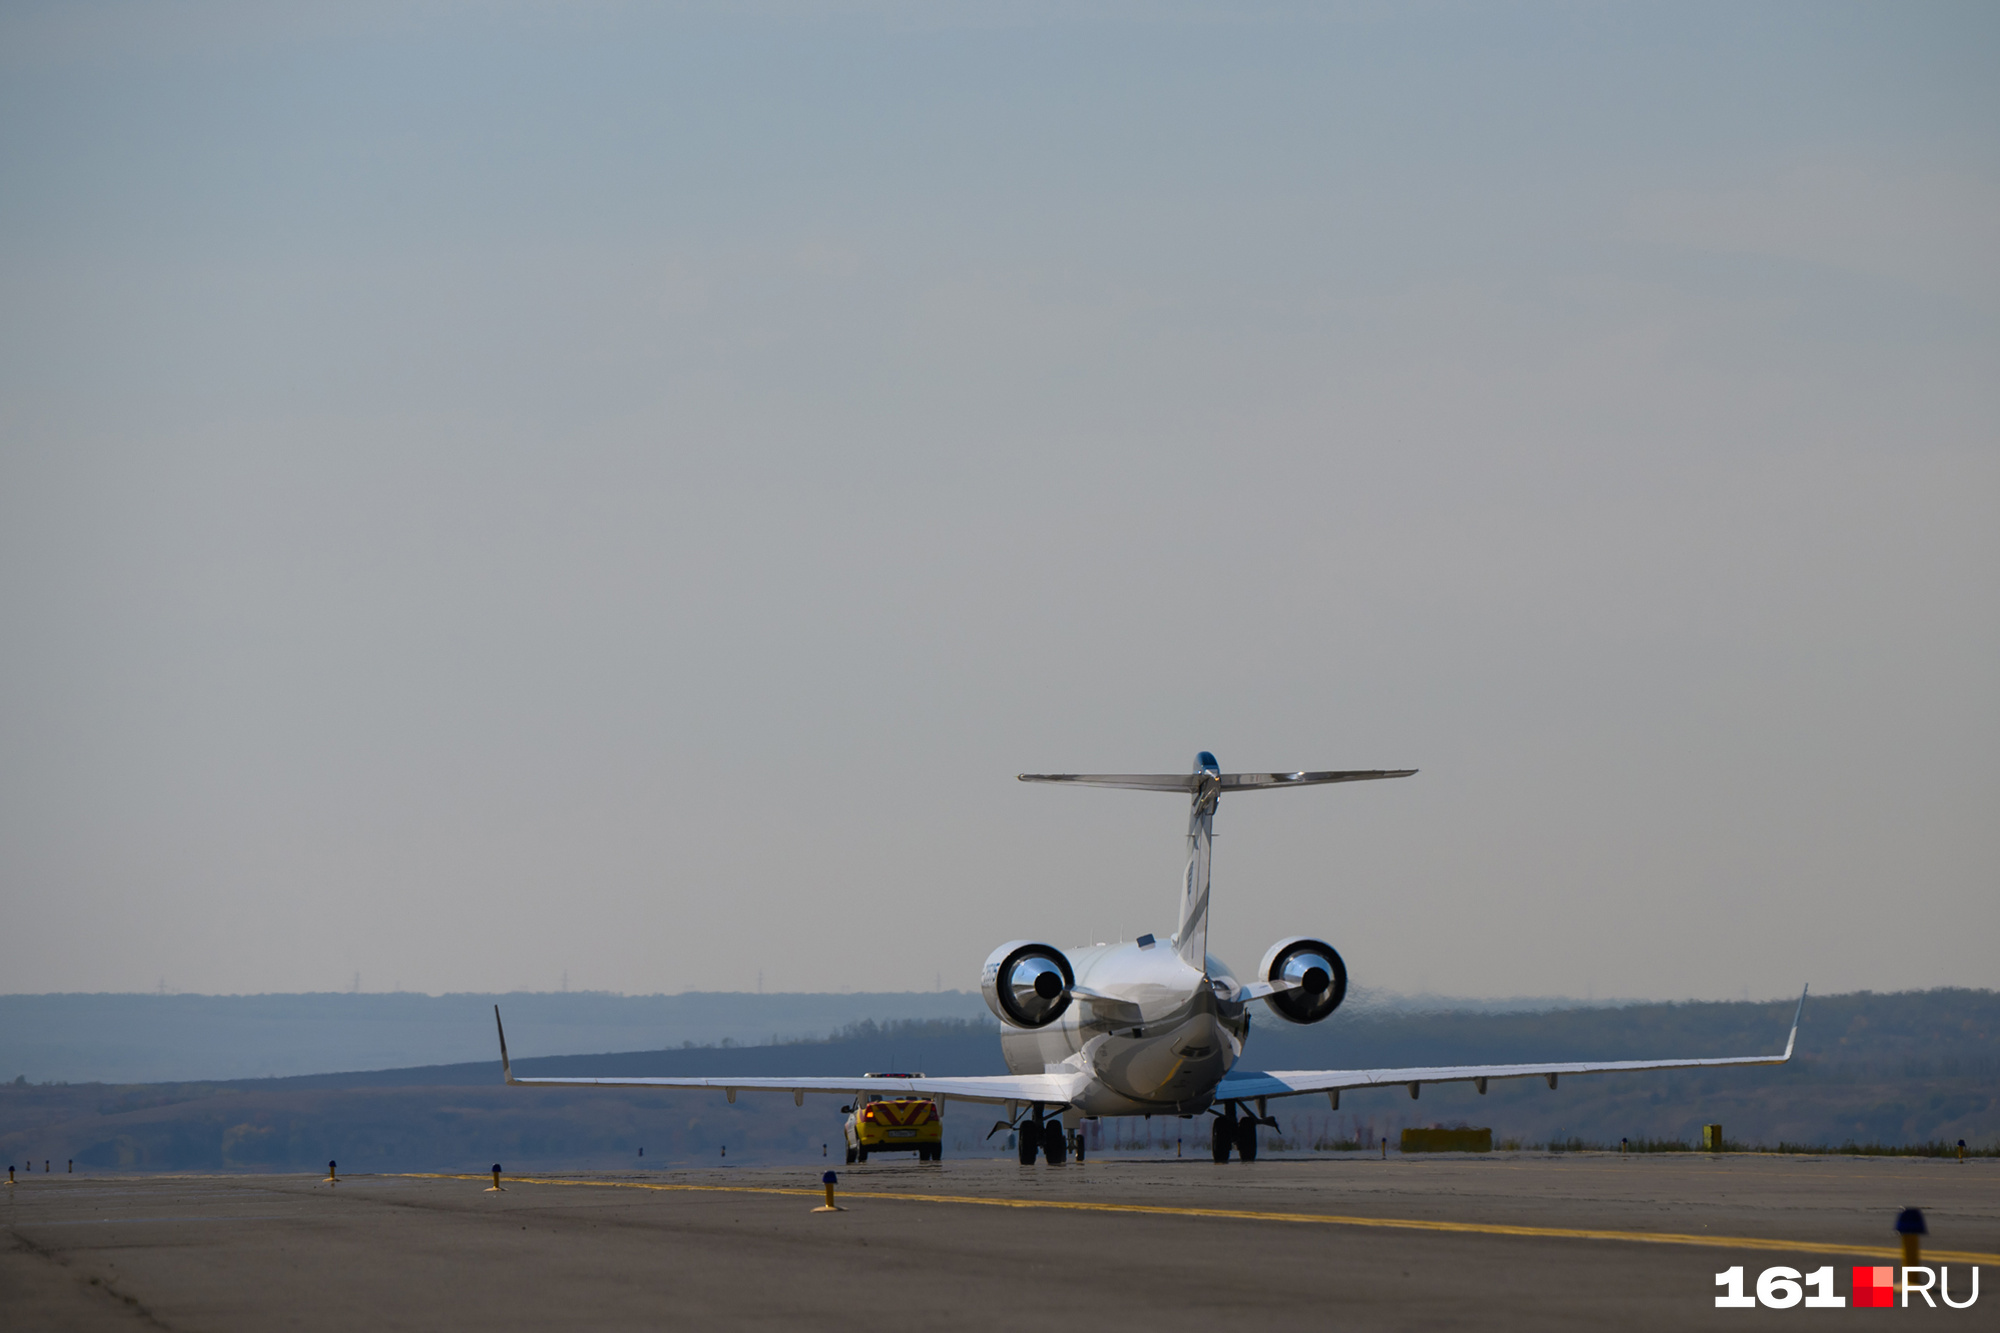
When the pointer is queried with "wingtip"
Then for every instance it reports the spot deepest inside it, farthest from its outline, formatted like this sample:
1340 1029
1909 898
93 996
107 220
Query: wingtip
506 1067
1797 1014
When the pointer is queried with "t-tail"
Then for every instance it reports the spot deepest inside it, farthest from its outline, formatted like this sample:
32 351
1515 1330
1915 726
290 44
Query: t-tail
1204 787
1191 938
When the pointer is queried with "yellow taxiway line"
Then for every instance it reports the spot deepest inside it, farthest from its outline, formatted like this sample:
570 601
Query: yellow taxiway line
1248 1215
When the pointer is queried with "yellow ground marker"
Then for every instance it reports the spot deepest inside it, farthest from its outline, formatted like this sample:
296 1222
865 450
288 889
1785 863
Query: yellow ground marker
1246 1215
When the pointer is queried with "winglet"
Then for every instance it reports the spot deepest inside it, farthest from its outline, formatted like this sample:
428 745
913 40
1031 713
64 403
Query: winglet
507 1069
1795 1023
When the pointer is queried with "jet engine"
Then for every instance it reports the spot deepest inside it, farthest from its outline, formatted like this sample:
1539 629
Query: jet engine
1027 984
1314 978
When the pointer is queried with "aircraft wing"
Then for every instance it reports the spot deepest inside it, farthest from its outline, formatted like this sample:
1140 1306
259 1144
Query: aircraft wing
1290 1082
1053 1088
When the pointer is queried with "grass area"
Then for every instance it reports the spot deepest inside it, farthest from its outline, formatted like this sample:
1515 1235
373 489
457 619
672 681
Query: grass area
1574 1144
1933 1148
1372 1143
1351 1142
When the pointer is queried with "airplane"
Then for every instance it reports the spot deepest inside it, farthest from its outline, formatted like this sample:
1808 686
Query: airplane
1150 1026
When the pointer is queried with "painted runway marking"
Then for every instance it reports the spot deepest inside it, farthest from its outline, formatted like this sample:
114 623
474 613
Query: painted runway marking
1323 1219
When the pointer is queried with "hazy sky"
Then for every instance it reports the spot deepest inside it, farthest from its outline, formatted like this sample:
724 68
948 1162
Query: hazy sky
495 490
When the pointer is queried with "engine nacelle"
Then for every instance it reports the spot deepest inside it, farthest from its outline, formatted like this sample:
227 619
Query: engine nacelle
1318 979
1027 984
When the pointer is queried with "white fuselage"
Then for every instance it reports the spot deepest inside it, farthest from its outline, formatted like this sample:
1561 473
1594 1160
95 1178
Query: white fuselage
1154 1034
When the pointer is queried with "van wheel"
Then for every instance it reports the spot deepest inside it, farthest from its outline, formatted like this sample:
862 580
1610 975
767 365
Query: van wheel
850 1154
860 1154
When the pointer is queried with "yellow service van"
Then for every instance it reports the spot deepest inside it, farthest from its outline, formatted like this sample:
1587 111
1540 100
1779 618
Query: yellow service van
894 1124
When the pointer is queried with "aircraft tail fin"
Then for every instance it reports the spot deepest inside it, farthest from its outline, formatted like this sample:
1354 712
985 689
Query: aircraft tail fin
1204 786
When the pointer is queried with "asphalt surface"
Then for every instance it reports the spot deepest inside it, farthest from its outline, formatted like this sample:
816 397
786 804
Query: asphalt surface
1352 1242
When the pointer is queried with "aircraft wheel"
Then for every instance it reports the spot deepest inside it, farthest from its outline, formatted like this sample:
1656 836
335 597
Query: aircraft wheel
1079 1145
1029 1144
1246 1139
1221 1136
1055 1145
850 1154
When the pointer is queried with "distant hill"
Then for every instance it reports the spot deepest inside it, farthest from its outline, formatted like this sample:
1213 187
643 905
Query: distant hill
147 1038
460 1117
1891 1068
1898 1068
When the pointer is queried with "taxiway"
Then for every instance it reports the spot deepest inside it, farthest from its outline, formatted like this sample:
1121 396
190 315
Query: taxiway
1493 1241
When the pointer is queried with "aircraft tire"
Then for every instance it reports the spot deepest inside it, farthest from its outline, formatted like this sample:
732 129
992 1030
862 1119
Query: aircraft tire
1028 1145
1055 1145
1220 1138
1246 1139
1079 1145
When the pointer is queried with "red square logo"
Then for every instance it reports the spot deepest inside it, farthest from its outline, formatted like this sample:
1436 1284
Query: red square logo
1874 1286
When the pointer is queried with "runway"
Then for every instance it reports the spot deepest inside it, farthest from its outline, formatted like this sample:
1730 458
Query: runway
1494 1241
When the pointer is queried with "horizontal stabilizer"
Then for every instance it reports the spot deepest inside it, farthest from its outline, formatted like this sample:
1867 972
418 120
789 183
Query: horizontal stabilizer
1187 783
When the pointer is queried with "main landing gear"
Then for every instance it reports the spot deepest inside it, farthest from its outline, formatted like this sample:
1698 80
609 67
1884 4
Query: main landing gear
1229 1130
1044 1136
